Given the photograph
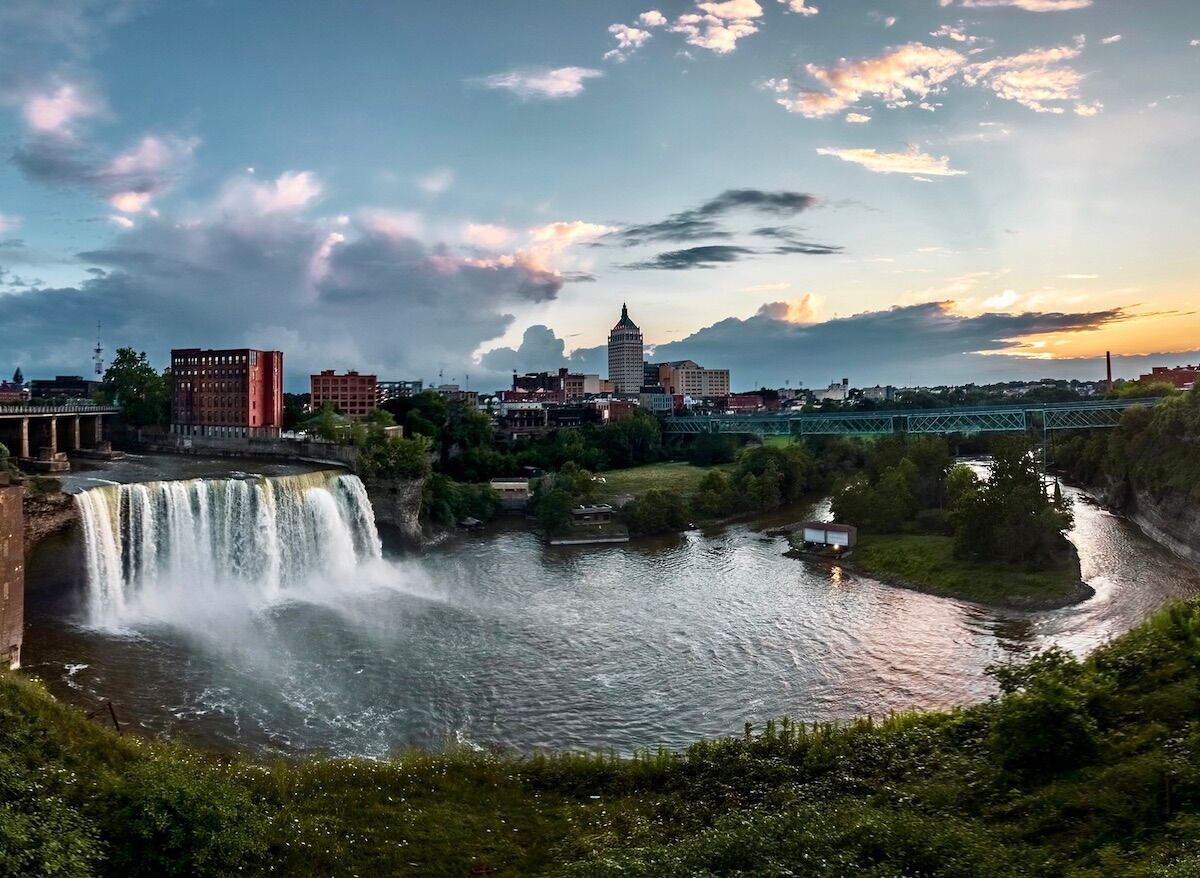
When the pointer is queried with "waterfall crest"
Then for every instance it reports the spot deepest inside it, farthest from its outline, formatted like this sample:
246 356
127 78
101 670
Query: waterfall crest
258 536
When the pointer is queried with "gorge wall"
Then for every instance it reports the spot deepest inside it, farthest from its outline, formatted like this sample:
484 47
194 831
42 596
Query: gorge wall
47 512
12 575
397 505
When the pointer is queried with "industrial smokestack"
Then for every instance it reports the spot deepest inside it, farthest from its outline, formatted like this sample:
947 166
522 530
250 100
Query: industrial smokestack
1108 361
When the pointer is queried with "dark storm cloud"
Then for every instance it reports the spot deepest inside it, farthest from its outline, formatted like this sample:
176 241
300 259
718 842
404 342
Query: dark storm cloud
699 223
777 203
148 168
917 344
693 257
789 242
926 343
540 351
355 299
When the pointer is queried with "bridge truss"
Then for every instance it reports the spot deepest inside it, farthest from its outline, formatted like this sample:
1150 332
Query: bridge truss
1045 418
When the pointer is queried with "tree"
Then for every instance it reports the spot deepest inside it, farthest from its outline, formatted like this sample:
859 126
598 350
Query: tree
657 511
142 393
1010 517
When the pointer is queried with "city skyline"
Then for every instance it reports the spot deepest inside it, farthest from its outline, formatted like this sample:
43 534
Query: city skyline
901 190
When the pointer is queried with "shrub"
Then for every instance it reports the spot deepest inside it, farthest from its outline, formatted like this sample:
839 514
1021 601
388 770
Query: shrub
175 816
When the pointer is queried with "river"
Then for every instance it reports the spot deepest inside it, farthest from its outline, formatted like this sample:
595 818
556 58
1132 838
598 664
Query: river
498 640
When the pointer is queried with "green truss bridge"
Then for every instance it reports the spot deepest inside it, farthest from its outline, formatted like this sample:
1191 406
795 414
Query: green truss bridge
1040 417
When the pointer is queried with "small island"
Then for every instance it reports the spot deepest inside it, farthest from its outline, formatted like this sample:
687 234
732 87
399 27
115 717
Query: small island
927 524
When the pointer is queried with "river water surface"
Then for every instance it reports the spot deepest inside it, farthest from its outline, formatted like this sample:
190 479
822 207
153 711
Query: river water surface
498 640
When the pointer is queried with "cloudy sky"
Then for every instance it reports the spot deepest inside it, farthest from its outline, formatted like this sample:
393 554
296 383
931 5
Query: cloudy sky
898 191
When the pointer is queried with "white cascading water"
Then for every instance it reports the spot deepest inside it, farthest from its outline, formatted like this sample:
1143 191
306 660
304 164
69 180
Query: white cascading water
172 543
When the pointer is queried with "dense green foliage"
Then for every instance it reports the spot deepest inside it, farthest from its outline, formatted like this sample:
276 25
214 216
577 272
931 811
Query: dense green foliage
1009 517
1077 769
913 487
1156 450
445 502
142 392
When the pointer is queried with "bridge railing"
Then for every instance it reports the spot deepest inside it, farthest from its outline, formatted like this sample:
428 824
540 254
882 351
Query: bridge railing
71 409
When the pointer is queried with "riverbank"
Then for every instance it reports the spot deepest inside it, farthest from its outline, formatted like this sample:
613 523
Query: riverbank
926 563
1057 778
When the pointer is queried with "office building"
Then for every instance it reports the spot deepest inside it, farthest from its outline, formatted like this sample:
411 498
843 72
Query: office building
626 367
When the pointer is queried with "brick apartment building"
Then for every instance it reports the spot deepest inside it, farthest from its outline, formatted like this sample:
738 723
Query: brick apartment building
354 395
1180 376
234 393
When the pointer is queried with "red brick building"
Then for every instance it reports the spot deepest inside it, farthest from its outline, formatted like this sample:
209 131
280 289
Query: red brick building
1180 376
354 395
235 393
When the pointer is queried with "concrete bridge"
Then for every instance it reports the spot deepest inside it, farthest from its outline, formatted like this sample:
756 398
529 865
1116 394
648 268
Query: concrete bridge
1018 417
41 436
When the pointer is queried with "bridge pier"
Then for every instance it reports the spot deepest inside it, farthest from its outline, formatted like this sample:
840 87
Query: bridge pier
75 443
24 439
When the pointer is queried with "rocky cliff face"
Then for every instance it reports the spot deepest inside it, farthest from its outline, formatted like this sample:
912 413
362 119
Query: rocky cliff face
47 513
1172 519
397 504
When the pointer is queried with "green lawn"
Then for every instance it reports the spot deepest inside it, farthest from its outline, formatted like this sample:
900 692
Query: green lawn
927 562
678 477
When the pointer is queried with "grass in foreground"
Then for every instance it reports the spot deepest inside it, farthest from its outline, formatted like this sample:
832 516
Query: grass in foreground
1080 770
676 477
927 562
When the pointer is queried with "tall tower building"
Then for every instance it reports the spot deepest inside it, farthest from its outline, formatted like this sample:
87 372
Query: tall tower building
625 355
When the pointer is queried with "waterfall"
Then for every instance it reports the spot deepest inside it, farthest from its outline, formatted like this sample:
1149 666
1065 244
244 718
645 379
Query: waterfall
156 542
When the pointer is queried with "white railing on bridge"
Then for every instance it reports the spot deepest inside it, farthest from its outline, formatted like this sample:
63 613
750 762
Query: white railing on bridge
23 408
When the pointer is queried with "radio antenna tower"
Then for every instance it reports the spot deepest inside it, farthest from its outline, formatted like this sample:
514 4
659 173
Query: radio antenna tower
98 352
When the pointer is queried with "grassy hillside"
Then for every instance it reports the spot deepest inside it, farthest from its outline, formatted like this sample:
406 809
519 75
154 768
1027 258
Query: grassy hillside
1079 770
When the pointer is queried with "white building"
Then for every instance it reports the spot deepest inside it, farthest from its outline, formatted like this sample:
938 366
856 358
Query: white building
625 362
835 392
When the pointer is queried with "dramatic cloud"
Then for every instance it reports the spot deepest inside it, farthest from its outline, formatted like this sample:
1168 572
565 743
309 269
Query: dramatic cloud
652 18
801 311
694 257
788 241
1036 79
913 162
128 180
700 222
290 191
914 344
488 236
542 82
540 351
54 113
906 76
719 25
332 292
1027 5
897 78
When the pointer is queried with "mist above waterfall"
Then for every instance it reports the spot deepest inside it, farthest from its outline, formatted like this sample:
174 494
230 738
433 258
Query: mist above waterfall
194 552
